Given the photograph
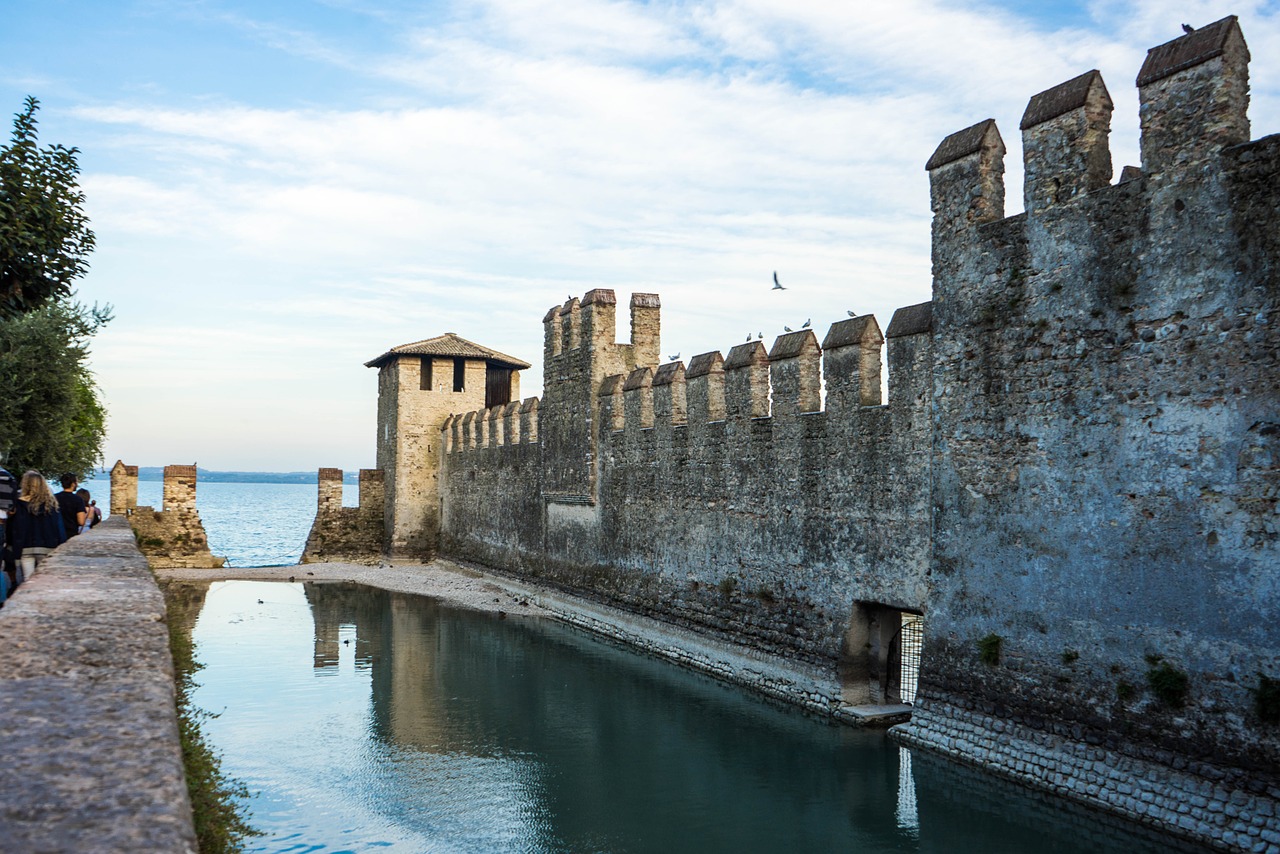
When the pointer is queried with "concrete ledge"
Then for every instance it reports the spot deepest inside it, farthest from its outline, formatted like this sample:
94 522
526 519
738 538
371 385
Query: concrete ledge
90 758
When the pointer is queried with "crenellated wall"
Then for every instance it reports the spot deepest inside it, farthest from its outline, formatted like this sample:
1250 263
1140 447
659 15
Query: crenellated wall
722 496
174 536
1105 450
1075 477
347 534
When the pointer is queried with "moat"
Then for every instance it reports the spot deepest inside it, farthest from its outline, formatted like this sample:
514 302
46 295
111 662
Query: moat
363 720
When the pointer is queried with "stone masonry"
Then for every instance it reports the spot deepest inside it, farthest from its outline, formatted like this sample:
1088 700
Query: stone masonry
92 759
347 534
174 536
1074 478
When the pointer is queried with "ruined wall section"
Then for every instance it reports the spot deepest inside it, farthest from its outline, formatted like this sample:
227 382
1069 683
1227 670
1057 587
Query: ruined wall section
1107 436
124 489
347 534
174 536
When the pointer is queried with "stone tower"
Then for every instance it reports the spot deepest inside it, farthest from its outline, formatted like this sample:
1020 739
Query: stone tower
419 386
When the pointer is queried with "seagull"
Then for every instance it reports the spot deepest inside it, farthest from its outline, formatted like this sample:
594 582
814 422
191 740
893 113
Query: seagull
1187 28
806 324
777 286
786 329
759 336
673 358
851 313
748 336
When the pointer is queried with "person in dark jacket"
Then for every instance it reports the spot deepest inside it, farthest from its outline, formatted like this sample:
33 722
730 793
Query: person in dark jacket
71 504
37 524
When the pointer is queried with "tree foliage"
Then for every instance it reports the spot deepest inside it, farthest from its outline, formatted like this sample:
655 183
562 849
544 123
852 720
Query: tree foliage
51 417
45 239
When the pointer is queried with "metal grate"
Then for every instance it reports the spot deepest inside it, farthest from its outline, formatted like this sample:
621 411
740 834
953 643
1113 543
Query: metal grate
912 634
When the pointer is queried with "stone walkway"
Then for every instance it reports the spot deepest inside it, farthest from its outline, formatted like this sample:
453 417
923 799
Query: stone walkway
89 752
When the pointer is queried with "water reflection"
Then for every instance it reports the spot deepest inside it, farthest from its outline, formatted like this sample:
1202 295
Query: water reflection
368 720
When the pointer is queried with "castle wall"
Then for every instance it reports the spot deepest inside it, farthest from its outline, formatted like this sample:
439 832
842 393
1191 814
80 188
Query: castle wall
1075 477
174 536
347 534
742 526
1106 466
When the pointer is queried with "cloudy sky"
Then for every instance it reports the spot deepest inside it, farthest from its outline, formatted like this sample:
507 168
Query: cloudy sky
281 191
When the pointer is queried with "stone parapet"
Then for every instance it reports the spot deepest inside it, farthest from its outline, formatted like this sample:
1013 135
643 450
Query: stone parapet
92 759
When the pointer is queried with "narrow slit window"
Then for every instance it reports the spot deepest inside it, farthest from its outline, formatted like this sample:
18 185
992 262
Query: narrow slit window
459 374
425 374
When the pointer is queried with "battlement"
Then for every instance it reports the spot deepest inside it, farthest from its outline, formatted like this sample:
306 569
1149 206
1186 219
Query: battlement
1193 94
784 381
514 423
587 329
347 534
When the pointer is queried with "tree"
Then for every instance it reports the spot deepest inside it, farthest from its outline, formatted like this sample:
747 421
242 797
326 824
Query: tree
51 418
45 239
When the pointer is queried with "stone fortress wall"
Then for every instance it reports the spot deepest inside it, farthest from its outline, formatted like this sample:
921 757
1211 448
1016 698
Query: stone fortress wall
173 536
347 534
1075 477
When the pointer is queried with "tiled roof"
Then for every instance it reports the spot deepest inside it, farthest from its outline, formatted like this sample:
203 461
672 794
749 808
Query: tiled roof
449 345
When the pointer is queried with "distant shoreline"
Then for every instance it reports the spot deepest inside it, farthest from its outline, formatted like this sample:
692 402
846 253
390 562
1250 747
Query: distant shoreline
156 473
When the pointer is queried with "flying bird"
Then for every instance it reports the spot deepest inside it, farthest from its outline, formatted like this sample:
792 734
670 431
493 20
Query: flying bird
777 286
1187 28
806 324
673 358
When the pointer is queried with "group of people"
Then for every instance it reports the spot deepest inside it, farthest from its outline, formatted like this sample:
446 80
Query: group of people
34 520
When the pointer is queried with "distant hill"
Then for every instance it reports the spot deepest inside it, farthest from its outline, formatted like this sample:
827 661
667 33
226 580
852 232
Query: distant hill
206 476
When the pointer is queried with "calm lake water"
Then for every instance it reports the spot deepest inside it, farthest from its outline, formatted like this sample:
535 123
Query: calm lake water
250 524
363 720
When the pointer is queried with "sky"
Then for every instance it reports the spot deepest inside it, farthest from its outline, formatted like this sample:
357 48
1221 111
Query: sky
282 191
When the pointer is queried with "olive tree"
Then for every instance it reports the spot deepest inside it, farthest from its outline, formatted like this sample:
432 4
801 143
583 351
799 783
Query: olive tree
45 239
51 417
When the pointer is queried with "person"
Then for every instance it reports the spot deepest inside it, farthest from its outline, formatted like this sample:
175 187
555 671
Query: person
37 524
8 495
92 515
73 510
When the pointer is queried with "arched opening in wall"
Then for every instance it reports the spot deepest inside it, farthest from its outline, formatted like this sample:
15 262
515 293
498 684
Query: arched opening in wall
880 662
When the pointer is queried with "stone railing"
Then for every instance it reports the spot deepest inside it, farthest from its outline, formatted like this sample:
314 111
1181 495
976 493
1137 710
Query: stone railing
89 753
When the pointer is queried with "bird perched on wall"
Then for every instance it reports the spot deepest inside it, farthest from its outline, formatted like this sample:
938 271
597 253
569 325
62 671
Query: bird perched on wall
786 329
806 324
777 286
748 336
759 336
851 313
1188 29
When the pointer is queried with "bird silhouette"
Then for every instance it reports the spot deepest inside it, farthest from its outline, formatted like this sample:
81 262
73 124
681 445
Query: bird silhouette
748 336
851 313
1187 28
673 358
777 286
759 336
806 324
786 329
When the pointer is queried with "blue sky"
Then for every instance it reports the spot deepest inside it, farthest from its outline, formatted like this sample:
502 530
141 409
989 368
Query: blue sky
281 191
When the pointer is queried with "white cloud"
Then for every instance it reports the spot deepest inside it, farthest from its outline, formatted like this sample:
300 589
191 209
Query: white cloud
545 148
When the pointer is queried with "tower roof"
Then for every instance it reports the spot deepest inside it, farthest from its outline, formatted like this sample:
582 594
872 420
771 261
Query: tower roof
448 345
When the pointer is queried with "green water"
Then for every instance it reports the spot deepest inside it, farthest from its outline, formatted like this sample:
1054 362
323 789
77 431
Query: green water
371 721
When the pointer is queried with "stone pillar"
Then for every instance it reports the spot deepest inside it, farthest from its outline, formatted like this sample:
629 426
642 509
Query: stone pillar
124 488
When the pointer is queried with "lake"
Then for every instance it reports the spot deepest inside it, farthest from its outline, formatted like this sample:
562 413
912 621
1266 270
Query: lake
363 720
250 524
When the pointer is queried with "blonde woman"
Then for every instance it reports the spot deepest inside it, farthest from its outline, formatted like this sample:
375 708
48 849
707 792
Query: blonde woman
36 524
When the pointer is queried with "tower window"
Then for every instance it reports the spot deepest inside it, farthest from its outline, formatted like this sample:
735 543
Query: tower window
425 374
459 374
